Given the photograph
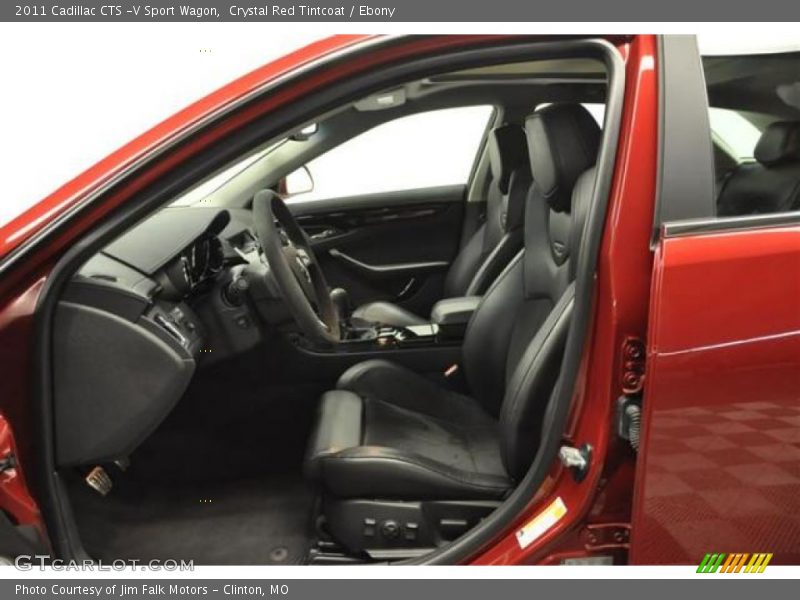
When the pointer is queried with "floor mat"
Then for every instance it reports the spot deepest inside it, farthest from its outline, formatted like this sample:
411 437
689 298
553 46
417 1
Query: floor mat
231 523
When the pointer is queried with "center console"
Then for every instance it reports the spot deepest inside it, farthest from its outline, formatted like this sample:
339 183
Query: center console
433 347
449 320
361 335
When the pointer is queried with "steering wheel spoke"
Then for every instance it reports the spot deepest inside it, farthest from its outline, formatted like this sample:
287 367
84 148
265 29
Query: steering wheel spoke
295 268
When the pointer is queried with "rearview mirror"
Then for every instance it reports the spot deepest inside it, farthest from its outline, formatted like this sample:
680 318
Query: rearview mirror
298 181
305 133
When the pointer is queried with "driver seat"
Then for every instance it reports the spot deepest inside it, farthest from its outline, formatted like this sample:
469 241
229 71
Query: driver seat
394 451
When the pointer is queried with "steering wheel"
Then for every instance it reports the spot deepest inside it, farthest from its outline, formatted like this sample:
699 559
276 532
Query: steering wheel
295 268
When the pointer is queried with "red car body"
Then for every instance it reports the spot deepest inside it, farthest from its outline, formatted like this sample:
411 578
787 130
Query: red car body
699 362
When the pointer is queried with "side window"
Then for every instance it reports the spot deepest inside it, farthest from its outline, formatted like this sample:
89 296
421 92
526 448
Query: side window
429 149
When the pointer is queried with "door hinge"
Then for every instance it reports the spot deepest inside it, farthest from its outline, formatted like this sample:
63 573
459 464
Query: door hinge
607 536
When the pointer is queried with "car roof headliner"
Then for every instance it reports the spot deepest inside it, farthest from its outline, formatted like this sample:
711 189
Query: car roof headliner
751 82
516 88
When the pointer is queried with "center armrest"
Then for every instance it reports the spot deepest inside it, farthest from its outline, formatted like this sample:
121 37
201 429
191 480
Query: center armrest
452 315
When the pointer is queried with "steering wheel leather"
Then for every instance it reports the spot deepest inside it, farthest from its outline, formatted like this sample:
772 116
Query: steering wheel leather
295 268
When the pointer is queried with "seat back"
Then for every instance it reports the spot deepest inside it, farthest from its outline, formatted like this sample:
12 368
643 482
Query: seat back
495 242
772 183
515 340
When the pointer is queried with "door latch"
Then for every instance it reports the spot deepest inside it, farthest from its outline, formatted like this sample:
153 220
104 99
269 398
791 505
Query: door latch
8 462
576 460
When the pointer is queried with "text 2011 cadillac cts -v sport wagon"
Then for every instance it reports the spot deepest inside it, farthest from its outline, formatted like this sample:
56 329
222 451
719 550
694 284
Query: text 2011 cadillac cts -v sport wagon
441 299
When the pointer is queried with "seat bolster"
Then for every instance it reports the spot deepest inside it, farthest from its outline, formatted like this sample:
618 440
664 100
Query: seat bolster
530 386
494 264
384 380
387 313
466 264
381 472
339 425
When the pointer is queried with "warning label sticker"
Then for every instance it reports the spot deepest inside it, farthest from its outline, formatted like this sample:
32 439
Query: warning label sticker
539 524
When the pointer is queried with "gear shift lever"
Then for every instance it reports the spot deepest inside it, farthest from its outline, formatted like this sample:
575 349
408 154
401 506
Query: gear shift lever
341 300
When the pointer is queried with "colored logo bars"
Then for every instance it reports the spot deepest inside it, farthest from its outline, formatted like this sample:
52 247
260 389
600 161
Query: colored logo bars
734 563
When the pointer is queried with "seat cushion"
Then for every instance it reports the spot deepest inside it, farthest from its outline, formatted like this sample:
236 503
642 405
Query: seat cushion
387 313
416 440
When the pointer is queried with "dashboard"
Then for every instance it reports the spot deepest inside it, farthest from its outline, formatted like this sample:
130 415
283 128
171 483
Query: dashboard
178 247
134 322
194 266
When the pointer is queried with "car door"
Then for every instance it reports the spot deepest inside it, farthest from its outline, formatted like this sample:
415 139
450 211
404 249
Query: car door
721 460
387 209
718 470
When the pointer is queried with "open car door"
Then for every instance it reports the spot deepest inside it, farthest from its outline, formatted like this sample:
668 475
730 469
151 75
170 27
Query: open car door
718 470
719 466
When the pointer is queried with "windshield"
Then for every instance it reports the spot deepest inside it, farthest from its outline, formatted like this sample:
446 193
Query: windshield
204 192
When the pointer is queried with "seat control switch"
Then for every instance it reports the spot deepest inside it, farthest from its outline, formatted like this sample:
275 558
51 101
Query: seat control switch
390 529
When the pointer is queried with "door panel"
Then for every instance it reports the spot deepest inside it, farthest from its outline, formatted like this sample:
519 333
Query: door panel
719 465
395 246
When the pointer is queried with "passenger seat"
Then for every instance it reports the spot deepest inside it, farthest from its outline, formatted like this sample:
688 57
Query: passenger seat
772 183
495 242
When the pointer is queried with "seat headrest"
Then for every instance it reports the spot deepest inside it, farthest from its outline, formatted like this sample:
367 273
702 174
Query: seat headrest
508 151
779 143
563 141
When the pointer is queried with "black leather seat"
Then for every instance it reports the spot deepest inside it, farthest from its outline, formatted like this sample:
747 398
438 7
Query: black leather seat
772 183
495 242
390 433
